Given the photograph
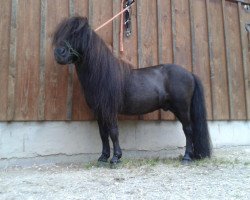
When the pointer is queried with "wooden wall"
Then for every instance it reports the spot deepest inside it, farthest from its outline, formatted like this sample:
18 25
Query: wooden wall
207 37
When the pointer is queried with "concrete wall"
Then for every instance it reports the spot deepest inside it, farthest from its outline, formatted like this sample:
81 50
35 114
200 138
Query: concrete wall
27 143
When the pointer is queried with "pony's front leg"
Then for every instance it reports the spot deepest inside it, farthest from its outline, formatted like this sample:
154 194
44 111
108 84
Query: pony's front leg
104 133
114 134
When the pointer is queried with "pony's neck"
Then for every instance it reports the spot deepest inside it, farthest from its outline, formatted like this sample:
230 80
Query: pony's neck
102 78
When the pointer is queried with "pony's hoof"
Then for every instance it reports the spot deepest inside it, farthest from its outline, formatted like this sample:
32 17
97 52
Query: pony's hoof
102 161
103 158
186 161
114 162
115 165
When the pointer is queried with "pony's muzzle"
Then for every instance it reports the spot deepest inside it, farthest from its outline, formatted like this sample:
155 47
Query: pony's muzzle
60 51
61 55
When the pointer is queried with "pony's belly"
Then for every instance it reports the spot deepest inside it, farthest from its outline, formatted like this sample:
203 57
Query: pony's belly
138 111
144 101
140 106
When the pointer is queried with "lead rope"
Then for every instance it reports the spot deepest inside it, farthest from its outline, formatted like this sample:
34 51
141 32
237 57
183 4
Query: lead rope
110 20
121 27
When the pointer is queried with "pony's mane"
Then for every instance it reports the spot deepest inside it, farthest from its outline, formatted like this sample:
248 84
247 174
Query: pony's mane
101 74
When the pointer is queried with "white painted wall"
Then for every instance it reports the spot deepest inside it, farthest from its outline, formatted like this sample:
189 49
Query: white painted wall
26 140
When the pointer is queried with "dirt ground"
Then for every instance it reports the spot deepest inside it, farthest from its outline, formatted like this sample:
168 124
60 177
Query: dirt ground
225 176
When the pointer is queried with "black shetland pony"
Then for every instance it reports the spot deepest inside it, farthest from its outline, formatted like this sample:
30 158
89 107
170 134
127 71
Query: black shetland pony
111 86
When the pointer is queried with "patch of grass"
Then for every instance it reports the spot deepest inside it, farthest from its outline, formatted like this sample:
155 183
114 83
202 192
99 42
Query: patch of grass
217 162
135 163
90 165
175 162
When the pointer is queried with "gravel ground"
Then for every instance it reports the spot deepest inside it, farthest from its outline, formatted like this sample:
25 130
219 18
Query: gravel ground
226 176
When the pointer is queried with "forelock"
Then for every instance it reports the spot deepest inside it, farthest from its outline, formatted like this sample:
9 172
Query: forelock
68 28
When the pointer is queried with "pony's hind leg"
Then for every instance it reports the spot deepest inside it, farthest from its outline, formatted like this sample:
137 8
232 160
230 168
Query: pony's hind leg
105 142
189 153
185 119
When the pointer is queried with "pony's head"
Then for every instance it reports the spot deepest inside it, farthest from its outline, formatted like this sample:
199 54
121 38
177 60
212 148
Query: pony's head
70 38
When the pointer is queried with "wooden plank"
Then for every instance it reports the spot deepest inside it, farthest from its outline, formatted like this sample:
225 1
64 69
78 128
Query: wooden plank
81 7
81 111
165 51
193 35
244 18
130 54
159 31
200 50
148 56
173 29
130 47
217 61
71 72
139 37
234 61
210 51
182 34
100 13
228 67
41 95
139 33
5 16
116 27
71 8
27 76
116 38
56 75
90 12
12 62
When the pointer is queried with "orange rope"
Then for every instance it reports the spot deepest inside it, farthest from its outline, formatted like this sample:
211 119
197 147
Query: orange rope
121 28
110 20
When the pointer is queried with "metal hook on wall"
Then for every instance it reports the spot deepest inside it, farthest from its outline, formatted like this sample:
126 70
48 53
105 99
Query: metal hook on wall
247 8
127 18
248 34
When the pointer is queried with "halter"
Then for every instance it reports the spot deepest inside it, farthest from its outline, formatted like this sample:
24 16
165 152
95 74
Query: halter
72 51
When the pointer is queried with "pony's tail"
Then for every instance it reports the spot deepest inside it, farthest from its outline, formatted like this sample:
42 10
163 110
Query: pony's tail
201 137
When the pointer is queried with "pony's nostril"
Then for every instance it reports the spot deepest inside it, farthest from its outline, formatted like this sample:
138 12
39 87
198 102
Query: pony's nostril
60 51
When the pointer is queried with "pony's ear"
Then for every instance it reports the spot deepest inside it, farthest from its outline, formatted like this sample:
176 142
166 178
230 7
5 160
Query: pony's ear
86 18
